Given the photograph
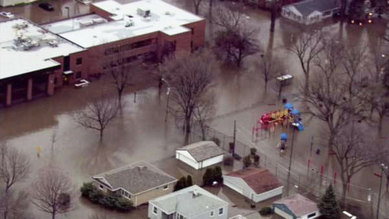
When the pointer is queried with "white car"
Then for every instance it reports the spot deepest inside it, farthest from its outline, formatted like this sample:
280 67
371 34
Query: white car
81 83
7 14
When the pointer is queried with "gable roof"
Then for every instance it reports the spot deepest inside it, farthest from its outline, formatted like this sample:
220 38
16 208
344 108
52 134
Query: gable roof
299 205
135 178
258 179
189 202
202 150
309 6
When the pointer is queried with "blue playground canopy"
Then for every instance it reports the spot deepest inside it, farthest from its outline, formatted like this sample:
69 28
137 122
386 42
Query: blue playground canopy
295 112
284 136
288 106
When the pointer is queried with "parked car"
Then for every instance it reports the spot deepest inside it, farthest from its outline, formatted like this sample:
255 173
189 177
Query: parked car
7 14
81 83
46 6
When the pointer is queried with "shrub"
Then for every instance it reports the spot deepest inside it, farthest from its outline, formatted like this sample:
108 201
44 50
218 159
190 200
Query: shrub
228 161
180 184
247 161
218 175
216 140
208 177
64 201
256 160
266 211
123 204
86 188
253 151
189 181
109 201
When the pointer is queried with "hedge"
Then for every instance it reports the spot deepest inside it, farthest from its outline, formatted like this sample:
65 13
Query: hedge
109 201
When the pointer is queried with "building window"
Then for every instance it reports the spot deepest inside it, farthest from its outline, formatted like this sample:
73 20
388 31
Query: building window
79 61
220 211
211 214
192 29
78 74
165 187
311 215
155 210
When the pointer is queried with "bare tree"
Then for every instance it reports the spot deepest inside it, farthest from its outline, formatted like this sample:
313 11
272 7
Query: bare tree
275 7
190 79
203 112
354 150
236 39
270 68
307 49
332 97
52 192
354 63
15 203
121 77
97 114
14 168
379 58
196 5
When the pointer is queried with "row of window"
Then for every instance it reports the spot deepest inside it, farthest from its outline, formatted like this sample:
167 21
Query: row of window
126 47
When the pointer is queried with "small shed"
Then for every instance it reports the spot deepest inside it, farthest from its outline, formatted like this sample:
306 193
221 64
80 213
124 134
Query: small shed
296 207
257 184
200 154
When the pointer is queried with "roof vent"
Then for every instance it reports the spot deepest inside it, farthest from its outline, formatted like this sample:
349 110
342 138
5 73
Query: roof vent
195 193
143 12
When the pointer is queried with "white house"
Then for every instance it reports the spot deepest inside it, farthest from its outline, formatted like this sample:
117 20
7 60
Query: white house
189 203
200 155
257 184
296 207
310 11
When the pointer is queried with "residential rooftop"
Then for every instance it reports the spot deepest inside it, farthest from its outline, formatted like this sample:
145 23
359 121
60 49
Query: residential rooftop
309 6
298 205
26 47
259 179
202 150
135 178
190 201
131 20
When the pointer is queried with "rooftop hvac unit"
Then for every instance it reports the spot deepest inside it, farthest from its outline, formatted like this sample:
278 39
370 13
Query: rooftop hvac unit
143 12
86 23
98 20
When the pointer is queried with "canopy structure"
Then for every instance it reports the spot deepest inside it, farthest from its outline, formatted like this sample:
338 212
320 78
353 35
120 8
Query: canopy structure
288 106
284 136
295 112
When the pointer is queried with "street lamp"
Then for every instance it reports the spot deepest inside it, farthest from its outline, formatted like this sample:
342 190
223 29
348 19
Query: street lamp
383 168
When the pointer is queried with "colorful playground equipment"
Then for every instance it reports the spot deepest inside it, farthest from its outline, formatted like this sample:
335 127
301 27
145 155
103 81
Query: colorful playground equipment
287 116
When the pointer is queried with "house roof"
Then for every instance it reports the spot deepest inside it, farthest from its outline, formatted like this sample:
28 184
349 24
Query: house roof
189 202
135 178
309 6
202 150
298 204
259 179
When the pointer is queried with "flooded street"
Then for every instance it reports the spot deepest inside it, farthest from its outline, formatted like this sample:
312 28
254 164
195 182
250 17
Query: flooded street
140 131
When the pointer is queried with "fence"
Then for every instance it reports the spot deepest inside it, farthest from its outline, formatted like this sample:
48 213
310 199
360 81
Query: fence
360 200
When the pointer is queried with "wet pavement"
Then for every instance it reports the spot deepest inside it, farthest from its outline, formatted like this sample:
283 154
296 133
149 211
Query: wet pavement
140 132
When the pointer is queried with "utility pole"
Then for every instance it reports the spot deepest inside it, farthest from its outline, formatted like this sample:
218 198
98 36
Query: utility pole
233 152
383 168
290 158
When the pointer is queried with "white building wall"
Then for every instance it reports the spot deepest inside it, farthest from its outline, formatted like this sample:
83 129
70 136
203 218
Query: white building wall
306 216
151 214
13 2
235 184
207 214
212 161
268 194
185 157
282 213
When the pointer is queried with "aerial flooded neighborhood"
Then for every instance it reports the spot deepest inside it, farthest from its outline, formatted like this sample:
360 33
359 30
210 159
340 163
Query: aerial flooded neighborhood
194 109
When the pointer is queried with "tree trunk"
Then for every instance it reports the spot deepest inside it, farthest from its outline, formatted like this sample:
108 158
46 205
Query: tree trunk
380 122
120 93
273 17
210 10
306 85
187 129
101 134
53 215
6 203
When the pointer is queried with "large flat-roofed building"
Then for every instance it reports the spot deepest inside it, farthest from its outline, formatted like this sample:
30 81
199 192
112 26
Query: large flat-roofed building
32 60
118 34
108 39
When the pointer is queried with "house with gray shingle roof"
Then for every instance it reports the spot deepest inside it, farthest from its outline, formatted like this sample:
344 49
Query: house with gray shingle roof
138 182
189 203
200 154
296 207
311 11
